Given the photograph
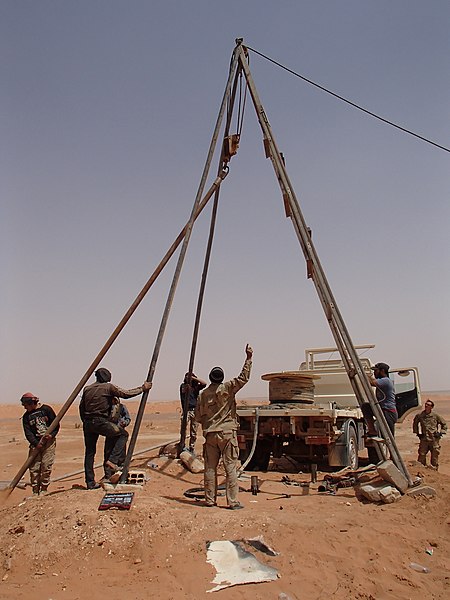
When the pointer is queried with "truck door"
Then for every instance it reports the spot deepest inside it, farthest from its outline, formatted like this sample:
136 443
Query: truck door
407 391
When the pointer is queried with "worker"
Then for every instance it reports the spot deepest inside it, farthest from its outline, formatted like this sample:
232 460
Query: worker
95 410
36 420
121 416
188 396
216 411
429 428
385 397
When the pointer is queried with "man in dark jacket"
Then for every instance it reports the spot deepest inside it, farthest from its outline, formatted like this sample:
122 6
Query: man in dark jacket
36 421
188 397
95 411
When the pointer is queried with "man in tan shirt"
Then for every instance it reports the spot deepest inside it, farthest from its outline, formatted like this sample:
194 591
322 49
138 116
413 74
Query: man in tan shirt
429 428
216 411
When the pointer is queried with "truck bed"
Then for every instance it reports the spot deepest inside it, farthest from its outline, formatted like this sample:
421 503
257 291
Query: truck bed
294 410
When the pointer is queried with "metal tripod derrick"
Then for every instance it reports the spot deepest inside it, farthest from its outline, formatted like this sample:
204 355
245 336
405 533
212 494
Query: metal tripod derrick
239 69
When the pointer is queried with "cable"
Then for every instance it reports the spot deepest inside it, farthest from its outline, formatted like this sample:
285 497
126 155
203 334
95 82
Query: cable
349 101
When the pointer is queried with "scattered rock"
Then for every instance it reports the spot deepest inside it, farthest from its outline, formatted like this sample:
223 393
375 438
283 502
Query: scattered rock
380 491
422 490
389 472
17 530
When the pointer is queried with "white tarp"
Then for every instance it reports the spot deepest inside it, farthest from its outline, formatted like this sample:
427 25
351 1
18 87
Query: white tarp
235 566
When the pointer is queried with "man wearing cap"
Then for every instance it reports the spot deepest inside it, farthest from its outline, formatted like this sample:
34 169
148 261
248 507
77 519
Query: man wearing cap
36 421
216 411
95 411
429 428
189 391
385 395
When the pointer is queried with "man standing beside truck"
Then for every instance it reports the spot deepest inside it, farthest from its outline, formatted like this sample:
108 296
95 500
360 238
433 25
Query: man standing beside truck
216 411
385 395
426 426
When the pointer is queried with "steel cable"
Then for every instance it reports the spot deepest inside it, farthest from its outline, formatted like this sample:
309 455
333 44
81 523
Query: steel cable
365 110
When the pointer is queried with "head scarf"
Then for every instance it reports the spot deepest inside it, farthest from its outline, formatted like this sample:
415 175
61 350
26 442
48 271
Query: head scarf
103 375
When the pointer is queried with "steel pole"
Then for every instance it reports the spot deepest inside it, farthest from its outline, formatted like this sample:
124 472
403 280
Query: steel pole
117 330
350 358
176 276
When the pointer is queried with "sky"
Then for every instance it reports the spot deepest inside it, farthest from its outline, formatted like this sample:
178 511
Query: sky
107 109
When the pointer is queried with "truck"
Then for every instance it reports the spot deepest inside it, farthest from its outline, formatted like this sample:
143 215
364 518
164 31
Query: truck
312 415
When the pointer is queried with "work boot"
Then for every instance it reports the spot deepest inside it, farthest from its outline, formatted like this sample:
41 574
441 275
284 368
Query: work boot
115 477
112 472
110 468
93 485
236 506
35 490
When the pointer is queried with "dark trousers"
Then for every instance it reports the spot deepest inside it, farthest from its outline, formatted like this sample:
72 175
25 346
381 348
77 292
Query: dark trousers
92 429
109 447
389 415
391 419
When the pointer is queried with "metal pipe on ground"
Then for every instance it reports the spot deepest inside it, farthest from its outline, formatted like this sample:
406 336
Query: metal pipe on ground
98 465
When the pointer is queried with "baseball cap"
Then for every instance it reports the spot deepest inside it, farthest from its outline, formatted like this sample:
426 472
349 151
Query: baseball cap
382 366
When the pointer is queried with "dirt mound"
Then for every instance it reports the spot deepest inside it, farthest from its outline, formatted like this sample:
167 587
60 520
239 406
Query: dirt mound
61 547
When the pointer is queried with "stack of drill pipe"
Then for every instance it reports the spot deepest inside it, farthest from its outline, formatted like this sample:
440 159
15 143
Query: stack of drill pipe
290 386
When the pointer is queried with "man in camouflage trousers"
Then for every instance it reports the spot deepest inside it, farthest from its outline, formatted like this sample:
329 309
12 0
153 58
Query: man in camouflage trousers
429 434
36 420
216 411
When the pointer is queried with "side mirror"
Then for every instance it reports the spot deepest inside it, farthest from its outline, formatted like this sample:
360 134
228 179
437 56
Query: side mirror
403 373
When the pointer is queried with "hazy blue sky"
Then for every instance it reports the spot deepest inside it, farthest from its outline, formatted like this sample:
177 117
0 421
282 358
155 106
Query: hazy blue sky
107 110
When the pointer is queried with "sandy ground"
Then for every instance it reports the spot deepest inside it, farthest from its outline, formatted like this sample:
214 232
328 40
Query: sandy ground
60 547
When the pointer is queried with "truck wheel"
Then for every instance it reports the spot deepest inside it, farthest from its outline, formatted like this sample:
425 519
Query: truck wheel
352 450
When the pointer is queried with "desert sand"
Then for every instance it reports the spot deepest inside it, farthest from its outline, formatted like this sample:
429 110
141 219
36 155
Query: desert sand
60 547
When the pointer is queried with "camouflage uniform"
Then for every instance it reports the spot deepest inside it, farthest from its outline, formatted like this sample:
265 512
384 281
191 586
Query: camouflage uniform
216 411
41 469
430 436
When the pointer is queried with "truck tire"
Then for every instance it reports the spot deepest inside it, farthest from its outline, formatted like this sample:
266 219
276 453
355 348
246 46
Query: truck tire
352 449
261 457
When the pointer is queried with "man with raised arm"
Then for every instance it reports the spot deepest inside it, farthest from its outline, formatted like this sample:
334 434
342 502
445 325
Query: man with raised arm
216 411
